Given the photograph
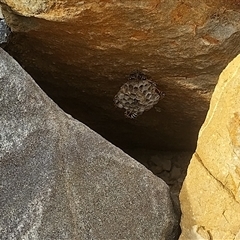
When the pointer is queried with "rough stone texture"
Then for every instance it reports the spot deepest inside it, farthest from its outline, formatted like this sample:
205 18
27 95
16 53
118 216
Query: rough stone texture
210 197
61 180
81 53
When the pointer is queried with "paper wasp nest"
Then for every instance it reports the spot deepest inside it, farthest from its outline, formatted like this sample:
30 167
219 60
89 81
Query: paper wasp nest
137 95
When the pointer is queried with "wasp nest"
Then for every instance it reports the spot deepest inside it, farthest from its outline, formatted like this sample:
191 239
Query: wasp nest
137 95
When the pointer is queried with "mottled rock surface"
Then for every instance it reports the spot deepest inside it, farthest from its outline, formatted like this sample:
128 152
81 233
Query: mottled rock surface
81 53
61 180
210 197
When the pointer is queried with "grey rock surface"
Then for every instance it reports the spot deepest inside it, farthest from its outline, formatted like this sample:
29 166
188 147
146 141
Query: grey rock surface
4 31
61 180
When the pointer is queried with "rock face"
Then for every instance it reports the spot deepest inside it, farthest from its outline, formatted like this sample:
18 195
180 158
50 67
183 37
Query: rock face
61 180
210 197
81 53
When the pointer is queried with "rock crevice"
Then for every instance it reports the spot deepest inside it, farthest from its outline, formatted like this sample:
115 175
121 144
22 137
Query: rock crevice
82 53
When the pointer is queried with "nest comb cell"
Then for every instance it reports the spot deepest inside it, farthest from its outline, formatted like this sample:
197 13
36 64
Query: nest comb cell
137 95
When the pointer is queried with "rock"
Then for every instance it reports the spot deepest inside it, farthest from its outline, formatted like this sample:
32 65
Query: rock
210 196
167 165
61 180
176 172
156 160
156 169
4 32
81 53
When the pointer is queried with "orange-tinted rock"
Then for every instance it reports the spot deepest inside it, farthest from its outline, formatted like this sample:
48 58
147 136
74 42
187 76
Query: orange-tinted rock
82 52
